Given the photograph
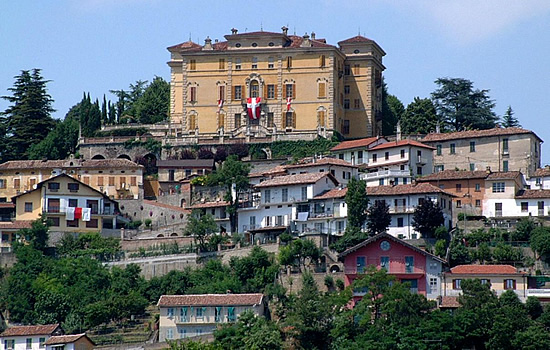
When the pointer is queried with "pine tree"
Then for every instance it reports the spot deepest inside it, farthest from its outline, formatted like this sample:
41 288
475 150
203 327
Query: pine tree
508 119
104 116
28 120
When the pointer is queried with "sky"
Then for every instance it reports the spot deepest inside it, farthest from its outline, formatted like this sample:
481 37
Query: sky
100 45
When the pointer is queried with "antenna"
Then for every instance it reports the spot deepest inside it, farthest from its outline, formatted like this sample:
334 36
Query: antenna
359 30
189 36
294 30
261 26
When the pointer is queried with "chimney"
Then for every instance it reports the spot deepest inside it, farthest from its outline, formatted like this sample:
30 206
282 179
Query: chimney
208 44
398 131
488 170
285 30
215 41
312 35
234 31
437 128
305 42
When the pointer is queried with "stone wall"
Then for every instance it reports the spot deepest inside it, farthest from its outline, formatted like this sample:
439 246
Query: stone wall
133 245
161 216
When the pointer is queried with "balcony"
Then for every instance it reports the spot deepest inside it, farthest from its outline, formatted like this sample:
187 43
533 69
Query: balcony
421 160
385 174
394 270
400 209
95 211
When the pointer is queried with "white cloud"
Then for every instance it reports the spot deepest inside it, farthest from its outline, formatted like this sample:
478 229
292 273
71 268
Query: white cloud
470 21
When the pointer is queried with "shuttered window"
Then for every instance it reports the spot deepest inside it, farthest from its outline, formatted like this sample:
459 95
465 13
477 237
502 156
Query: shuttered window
322 90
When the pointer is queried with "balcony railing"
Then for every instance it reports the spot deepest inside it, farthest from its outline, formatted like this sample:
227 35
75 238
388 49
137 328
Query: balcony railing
95 211
392 270
421 160
401 209
384 174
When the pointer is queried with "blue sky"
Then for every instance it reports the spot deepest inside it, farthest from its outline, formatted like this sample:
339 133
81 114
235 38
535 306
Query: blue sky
101 45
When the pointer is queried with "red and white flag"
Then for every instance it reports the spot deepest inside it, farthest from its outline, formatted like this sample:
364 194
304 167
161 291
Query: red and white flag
288 103
220 104
253 107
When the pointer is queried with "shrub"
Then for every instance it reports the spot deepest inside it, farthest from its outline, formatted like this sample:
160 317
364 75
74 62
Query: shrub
340 284
441 232
329 281
148 222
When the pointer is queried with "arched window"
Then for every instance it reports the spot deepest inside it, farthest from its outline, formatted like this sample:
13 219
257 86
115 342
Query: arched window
192 122
254 88
322 117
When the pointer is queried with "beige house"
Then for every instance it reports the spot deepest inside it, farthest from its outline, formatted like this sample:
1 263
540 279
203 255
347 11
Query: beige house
8 230
500 149
183 316
499 277
69 205
116 178
308 88
70 342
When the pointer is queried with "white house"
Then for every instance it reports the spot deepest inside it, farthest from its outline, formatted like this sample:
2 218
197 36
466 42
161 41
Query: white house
356 151
271 209
342 170
28 337
540 180
403 199
183 316
500 194
397 162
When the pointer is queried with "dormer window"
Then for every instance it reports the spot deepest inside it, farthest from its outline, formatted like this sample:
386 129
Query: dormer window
238 45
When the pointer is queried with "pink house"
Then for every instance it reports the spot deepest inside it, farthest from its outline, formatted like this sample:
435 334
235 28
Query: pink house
408 263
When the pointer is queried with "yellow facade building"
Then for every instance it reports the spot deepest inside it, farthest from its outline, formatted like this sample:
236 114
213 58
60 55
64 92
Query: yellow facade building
308 88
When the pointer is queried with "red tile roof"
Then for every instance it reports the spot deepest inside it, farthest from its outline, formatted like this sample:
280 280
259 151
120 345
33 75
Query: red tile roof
449 303
15 225
186 46
484 270
453 175
502 175
297 179
433 137
400 143
209 205
297 42
418 188
186 163
72 163
7 205
210 299
354 144
15 331
534 194
355 39
66 339
542 172
334 193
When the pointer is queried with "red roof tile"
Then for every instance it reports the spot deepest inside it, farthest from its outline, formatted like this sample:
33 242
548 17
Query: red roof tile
542 172
449 303
15 331
400 143
208 205
454 175
15 225
66 339
355 39
354 144
297 179
187 46
210 299
484 270
308 162
534 194
72 163
476 133
334 193
502 175
418 188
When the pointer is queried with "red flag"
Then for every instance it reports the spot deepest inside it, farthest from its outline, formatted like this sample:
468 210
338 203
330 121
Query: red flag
288 102
220 104
253 107
77 213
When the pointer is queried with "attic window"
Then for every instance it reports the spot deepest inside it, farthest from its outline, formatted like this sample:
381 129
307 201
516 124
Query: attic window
271 44
254 44
355 51
238 45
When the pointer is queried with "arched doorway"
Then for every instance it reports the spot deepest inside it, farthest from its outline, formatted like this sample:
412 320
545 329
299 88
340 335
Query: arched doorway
149 161
98 156
124 156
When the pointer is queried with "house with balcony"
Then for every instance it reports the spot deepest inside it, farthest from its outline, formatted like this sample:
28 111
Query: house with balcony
217 209
500 192
500 149
271 207
500 278
342 170
397 162
467 186
402 201
70 206
192 315
116 178
408 263
172 171
323 219
70 342
540 179
356 151
28 337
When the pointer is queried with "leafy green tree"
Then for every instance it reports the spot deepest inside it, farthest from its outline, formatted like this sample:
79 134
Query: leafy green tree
461 107
378 217
508 119
523 230
28 119
420 117
504 253
249 332
441 248
89 116
533 307
153 105
120 106
37 235
256 270
534 337
458 253
483 253
201 227
540 241
351 237
357 203
427 218
298 252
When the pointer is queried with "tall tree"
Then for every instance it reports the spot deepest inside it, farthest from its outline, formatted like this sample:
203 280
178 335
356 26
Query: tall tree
378 217
28 120
104 116
427 217
153 105
392 110
508 119
201 227
121 105
357 202
90 116
461 107
419 117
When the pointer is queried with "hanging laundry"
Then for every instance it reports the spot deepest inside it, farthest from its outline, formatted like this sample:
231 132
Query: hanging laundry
70 213
86 214
77 213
